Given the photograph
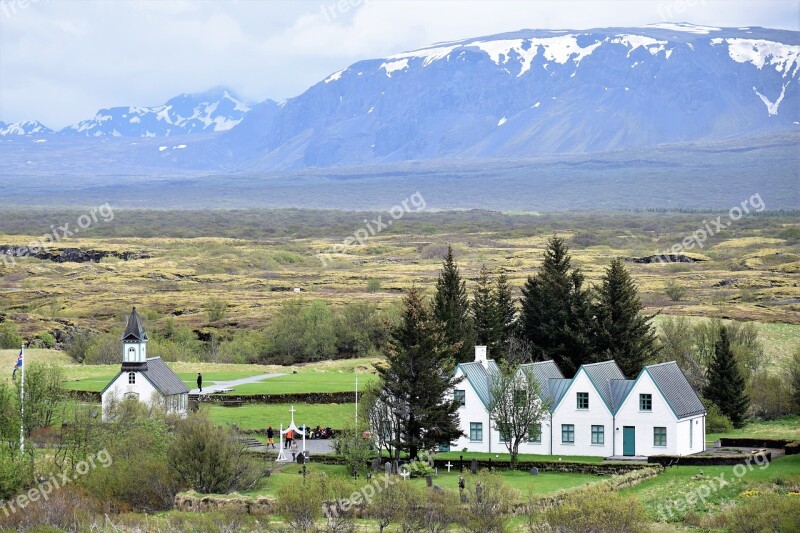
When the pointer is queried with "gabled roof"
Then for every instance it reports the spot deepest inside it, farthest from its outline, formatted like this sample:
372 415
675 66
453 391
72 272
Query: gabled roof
163 378
543 372
601 374
676 389
479 377
619 391
556 389
134 330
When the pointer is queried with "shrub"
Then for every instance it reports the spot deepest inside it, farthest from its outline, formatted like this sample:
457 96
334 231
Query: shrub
675 290
716 422
489 505
9 336
46 340
215 309
765 512
300 504
373 285
770 396
595 509
211 459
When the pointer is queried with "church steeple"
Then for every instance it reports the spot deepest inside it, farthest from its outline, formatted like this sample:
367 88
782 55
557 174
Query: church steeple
134 344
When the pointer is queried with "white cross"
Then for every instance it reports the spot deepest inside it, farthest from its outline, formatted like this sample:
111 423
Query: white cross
449 466
405 474
292 410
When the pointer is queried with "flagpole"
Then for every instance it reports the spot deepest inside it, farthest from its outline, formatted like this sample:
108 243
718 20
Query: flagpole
22 405
356 399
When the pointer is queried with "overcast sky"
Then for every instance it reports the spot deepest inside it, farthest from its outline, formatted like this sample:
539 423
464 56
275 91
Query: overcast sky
62 60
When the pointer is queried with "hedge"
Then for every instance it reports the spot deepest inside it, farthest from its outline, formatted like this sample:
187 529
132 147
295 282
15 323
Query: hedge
793 448
308 397
745 442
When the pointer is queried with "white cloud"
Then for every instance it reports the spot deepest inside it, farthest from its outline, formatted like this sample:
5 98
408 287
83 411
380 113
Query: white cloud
61 61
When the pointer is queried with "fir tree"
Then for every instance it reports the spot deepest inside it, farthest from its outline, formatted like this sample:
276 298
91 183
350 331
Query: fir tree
556 316
623 333
725 382
505 310
484 314
417 381
451 309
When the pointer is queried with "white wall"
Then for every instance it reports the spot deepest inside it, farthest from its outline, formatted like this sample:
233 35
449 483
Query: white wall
598 413
120 387
473 411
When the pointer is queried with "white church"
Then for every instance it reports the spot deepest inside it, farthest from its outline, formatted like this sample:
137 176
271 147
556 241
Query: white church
147 380
595 413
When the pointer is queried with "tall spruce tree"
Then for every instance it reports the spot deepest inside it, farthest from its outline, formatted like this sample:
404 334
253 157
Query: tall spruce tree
556 316
484 314
418 379
451 308
725 382
623 333
505 310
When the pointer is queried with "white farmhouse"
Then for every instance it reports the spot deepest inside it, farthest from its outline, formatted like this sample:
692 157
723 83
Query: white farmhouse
147 380
597 412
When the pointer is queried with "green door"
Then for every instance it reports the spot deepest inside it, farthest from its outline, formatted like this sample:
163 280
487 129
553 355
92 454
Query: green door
628 440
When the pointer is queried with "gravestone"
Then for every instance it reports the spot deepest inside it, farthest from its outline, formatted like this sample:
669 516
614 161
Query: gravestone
388 467
429 481
460 463
473 467
301 459
534 471
395 466
376 464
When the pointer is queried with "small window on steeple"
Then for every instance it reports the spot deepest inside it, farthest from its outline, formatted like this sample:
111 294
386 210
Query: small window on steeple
131 378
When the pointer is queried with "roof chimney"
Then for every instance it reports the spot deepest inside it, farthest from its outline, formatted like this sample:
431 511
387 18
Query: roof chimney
480 356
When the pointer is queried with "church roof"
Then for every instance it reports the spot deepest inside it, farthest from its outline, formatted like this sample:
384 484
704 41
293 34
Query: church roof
134 330
163 378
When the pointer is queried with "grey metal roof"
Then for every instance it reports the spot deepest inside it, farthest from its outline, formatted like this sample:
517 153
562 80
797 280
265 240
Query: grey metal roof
543 371
479 377
134 330
676 389
619 390
601 374
556 388
163 378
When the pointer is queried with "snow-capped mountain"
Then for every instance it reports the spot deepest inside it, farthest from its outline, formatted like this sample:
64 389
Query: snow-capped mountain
24 129
534 92
211 111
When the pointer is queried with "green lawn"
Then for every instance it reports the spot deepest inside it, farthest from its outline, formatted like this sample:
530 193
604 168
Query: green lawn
686 483
259 416
468 456
783 428
544 483
97 383
305 382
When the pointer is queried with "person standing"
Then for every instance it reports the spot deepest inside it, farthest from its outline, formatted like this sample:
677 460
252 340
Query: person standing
270 437
200 381
289 438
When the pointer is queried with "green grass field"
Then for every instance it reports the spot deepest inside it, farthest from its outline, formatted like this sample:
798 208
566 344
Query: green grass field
686 483
306 382
783 428
259 416
504 456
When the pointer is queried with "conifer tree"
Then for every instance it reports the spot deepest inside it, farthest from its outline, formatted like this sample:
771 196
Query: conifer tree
556 316
505 310
451 308
484 314
418 379
623 333
725 382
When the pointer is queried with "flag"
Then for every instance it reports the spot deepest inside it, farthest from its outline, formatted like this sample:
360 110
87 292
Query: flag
18 365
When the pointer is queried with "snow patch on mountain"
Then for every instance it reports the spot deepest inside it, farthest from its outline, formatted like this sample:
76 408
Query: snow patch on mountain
760 52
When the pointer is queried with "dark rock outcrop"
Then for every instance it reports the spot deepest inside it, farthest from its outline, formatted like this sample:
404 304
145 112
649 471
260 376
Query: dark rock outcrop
66 255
